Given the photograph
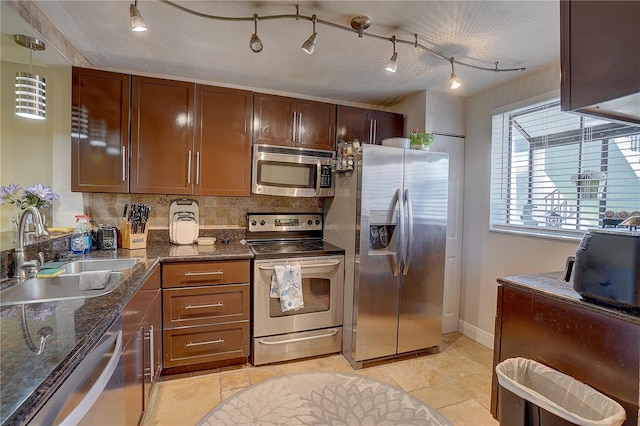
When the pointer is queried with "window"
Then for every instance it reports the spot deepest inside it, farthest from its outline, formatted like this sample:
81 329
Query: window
559 174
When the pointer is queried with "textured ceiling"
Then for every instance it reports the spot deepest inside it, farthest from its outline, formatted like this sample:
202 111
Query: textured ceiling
343 67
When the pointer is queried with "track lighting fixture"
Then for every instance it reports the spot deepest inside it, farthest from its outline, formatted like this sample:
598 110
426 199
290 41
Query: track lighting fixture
358 24
454 82
255 43
31 89
309 45
137 23
392 65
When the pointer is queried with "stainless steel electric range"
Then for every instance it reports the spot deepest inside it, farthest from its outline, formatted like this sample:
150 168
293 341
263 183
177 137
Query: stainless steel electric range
293 241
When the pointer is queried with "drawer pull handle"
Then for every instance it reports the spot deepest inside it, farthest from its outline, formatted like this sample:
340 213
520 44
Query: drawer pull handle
314 265
202 274
299 339
210 342
212 305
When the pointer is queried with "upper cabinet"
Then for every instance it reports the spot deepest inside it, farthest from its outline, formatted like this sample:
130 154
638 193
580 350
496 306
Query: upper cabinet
600 58
223 141
367 126
294 122
162 136
99 131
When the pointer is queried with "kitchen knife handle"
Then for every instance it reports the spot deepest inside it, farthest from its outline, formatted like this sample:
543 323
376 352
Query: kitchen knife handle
189 168
124 163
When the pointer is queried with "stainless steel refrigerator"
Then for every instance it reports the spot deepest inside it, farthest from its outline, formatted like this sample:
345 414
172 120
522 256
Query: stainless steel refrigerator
390 216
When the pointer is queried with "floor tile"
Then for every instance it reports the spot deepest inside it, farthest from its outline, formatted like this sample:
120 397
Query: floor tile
468 413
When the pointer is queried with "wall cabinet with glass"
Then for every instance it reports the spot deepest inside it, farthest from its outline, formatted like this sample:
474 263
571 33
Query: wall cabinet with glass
100 131
294 122
367 126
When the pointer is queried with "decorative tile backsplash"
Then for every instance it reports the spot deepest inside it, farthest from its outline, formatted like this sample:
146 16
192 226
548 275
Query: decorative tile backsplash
215 212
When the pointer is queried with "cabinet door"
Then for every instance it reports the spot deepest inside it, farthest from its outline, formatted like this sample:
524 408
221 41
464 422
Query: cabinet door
162 136
152 327
133 361
99 131
274 121
353 123
387 125
315 127
223 141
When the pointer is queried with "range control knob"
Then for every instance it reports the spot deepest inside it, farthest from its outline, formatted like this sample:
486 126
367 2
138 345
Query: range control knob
309 222
262 222
317 221
253 222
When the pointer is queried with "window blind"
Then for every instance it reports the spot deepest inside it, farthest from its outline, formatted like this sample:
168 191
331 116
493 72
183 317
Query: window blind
559 174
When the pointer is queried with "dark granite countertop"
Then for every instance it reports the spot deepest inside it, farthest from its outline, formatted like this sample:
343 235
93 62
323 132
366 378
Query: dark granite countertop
28 380
551 284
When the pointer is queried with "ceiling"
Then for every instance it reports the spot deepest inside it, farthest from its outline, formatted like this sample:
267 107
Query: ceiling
344 67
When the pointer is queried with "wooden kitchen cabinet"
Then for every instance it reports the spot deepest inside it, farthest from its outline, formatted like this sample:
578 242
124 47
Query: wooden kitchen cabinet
287 121
206 314
600 58
600 350
162 115
367 126
100 102
222 160
142 347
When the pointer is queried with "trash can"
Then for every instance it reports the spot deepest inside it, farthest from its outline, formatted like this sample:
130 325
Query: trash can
531 393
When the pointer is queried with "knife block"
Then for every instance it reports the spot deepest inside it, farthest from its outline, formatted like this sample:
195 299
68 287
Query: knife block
133 241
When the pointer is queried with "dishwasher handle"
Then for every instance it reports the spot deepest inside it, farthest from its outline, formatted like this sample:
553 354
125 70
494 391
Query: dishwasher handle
92 395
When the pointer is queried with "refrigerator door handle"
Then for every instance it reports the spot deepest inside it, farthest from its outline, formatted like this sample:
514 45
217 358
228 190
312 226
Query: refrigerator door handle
408 244
400 235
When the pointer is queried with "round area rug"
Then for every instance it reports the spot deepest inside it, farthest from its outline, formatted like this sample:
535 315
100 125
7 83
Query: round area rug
327 398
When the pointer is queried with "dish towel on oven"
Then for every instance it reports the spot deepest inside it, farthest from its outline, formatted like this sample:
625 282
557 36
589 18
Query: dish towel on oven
286 283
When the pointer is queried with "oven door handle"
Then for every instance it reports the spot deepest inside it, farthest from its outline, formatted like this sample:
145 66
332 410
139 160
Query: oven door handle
315 265
299 339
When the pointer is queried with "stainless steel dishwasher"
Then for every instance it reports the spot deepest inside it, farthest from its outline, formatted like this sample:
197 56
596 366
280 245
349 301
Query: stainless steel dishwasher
94 392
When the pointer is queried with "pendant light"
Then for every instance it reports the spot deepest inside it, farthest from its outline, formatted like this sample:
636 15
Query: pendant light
137 23
309 45
31 93
392 65
255 43
454 82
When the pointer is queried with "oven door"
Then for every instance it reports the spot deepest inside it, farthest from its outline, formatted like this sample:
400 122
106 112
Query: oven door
291 172
322 293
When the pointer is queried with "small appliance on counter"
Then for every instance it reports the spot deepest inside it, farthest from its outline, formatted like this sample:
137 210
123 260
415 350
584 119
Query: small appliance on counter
107 237
184 221
607 267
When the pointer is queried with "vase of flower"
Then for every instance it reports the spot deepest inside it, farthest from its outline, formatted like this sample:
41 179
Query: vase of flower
420 140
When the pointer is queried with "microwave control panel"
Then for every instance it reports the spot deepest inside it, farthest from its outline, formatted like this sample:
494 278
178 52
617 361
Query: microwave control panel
325 176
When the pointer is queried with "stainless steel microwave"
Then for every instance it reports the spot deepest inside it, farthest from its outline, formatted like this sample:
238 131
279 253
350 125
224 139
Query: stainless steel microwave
292 172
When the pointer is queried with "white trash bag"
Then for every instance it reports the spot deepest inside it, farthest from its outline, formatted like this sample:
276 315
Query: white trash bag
558 393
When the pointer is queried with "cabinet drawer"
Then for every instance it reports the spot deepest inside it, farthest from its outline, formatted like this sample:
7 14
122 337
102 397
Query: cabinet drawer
205 305
189 274
193 345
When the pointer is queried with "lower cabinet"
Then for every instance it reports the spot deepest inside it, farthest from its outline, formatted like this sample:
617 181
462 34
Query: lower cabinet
206 312
142 352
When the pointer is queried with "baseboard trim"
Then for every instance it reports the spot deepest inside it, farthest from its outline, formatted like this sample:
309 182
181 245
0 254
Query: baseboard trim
473 332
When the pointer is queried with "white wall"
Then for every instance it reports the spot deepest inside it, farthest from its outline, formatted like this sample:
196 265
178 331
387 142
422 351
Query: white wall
442 113
489 255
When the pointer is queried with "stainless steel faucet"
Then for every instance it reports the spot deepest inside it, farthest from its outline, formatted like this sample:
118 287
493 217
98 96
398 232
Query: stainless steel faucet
41 231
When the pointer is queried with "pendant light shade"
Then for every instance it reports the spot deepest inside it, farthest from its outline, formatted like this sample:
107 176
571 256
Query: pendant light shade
137 23
30 88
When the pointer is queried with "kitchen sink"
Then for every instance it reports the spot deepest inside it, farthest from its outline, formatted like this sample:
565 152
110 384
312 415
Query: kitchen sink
70 285
115 265
63 287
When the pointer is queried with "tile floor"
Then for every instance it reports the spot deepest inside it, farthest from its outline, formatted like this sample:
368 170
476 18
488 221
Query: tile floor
456 381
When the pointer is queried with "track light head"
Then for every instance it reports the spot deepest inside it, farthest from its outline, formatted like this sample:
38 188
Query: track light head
392 65
310 45
137 23
454 82
255 43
